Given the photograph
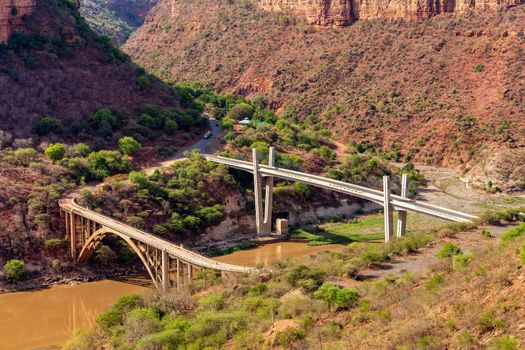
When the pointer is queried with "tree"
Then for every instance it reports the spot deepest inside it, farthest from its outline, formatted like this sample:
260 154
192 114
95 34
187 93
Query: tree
45 125
241 111
143 81
328 293
170 127
14 269
56 151
128 145
303 190
79 150
346 297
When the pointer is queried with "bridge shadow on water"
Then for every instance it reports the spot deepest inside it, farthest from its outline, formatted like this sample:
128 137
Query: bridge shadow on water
137 280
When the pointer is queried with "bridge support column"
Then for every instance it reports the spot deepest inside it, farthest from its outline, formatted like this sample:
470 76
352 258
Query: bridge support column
165 271
402 214
72 235
178 273
268 200
387 209
257 192
190 273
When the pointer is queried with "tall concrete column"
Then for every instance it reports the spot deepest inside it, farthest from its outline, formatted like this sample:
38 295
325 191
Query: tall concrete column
165 271
257 192
268 201
190 273
72 235
402 214
178 273
66 214
387 209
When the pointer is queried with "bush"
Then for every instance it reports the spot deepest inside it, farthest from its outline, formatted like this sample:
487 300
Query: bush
14 269
53 243
241 111
24 156
522 253
115 316
79 150
45 126
460 261
503 343
513 233
303 190
327 154
141 322
332 294
56 151
170 127
211 302
480 67
143 81
128 145
449 250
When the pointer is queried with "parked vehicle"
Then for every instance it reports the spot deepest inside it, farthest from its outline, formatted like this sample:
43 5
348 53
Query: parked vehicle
207 135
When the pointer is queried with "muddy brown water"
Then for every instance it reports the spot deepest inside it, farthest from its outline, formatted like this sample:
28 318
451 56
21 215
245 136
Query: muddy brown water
273 252
47 318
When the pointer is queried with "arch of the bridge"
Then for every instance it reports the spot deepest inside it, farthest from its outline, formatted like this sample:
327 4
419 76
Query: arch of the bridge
94 240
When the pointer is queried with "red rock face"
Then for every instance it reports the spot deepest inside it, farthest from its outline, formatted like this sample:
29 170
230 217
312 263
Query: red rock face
11 13
344 12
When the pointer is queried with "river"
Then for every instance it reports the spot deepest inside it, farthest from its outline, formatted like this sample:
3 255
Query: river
46 318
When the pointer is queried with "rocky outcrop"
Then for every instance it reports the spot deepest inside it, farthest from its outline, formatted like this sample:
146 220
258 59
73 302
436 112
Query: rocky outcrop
11 15
344 12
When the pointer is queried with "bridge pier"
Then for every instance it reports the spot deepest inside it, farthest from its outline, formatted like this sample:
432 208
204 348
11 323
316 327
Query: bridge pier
402 214
387 209
257 193
165 270
268 200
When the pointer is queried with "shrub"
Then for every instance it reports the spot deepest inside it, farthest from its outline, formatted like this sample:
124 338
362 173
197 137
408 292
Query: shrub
55 151
211 302
487 234
128 145
435 282
346 298
513 233
45 126
241 111
24 156
328 293
503 343
140 322
143 81
287 337
460 261
489 321
170 127
53 243
480 67
303 190
522 253
449 250
105 163
327 154
114 316
14 269
104 255
79 150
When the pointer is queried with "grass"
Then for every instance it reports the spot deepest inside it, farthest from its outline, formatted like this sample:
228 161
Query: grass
363 229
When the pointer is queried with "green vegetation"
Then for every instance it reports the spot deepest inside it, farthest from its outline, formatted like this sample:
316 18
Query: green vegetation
129 146
449 250
368 228
14 269
480 67
56 151
331 294
513 233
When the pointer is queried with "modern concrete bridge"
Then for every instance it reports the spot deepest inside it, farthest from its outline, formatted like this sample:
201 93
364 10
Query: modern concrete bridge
168 264
384 198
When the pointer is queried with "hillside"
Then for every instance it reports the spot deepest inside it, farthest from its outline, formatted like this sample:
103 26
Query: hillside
446 91
117 19
56 66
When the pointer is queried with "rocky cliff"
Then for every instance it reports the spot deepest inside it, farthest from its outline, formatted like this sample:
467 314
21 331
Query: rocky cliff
344 12
11 14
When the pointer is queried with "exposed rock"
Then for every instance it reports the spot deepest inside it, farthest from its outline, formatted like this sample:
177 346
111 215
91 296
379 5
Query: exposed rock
500 169
344 12
11 15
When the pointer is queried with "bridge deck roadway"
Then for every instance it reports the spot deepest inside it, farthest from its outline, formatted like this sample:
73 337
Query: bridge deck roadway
68 204
398 202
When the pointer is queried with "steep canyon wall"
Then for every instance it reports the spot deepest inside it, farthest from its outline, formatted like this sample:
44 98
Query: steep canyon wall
344 12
